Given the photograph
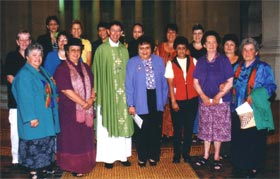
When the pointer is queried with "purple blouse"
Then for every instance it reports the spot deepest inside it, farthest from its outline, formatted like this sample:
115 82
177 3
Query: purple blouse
212 74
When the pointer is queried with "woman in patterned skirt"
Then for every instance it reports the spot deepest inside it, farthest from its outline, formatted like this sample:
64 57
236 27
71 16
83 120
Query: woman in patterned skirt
213 78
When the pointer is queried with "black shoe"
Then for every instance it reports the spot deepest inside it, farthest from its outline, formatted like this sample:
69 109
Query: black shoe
152 162
58 170
176 159
108 165
77 174
251 174
201 162
194 139
224 156
48 171
187 159
15 166
34 175
141 164
126 163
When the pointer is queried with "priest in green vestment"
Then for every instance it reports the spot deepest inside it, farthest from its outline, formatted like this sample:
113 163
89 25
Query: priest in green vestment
114 124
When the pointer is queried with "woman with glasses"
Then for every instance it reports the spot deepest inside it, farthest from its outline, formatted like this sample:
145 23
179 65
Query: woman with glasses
54 58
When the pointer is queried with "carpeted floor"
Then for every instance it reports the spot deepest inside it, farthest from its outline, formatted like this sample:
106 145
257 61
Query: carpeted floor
165 169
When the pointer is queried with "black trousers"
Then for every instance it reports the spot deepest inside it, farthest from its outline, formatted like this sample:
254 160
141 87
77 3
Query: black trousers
183 124
148 137
247 146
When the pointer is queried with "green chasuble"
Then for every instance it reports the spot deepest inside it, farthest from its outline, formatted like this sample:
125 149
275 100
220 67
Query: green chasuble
109 68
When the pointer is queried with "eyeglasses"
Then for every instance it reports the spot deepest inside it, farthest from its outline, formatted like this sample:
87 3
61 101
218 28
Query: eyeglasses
75 50
63 40
144 48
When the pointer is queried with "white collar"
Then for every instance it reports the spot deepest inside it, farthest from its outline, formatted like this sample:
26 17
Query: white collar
113 44
181 58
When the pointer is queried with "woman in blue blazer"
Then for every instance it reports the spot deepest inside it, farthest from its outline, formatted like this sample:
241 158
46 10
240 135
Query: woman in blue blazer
146 94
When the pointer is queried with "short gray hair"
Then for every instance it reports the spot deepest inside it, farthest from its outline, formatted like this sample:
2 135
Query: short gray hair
247 41
33 46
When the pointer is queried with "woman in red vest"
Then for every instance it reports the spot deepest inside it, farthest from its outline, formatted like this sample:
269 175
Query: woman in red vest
183 96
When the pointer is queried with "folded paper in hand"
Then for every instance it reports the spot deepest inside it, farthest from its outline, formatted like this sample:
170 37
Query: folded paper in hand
138 120
246 116
221 100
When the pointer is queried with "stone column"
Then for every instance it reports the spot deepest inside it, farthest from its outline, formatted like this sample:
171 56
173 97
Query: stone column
183 17
95 18
76 9
270 52
118 10
158 26
61 14
138 11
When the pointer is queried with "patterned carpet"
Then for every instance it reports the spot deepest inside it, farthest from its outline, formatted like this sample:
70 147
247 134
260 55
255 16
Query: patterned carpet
165 169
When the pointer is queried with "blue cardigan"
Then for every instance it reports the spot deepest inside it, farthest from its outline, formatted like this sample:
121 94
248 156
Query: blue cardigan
51 62
135 84
29 91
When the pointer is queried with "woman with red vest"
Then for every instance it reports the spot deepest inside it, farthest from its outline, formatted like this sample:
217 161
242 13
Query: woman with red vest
183 96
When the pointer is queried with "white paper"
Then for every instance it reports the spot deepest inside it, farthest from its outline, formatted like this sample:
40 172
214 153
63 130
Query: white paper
244 108
138 120
221 100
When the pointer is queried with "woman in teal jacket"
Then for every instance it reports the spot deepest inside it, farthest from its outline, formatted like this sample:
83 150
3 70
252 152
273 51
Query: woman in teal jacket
38 123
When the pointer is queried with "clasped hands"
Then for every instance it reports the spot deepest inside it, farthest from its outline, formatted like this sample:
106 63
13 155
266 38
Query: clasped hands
207 102
88 103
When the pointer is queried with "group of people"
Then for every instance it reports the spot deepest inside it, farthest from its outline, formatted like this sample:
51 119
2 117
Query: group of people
58 85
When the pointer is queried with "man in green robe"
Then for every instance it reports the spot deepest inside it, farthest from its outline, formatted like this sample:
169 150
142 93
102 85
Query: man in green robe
114 124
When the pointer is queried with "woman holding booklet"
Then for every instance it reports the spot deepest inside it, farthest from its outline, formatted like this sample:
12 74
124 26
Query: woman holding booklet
253 84
146 94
